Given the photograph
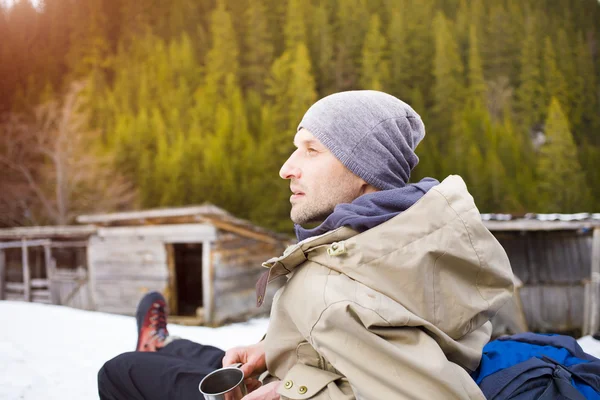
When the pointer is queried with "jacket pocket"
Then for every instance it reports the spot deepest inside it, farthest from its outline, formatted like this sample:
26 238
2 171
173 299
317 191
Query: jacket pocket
304 382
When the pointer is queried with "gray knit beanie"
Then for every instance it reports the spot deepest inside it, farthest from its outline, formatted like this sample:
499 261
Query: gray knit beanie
372 133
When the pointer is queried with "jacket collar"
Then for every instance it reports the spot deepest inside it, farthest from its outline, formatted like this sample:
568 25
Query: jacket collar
295 255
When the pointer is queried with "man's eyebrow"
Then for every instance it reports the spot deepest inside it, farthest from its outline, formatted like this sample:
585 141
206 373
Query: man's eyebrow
307 142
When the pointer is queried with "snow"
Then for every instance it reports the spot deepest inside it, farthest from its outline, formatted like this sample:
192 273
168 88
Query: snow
53 352
590 345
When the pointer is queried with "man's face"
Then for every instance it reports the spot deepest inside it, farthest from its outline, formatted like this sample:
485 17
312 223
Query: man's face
319 181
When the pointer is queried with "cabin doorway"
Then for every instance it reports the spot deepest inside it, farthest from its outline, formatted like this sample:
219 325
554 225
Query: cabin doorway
186 279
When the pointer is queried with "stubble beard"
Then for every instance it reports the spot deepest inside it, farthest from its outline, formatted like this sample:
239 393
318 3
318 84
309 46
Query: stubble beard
309 210
302 214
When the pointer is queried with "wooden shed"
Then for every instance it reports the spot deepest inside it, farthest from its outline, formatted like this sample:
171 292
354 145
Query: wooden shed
557 259
46 264
205 261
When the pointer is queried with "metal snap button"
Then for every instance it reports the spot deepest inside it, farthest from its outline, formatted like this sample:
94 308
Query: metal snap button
302 389
288 384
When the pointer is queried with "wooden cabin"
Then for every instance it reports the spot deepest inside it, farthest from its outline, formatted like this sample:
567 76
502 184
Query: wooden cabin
46 264
556 257
205 261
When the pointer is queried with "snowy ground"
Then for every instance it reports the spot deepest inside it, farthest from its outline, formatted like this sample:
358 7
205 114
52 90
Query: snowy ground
52 352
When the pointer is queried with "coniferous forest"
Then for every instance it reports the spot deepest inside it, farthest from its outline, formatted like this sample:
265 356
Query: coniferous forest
122 104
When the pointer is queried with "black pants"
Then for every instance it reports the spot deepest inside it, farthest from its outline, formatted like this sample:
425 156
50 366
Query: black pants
173 372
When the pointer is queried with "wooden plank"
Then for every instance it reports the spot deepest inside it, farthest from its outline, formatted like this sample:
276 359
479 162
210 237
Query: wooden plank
2 273
156 213
127 252
36 284
75 291
15 287
50 272
19 243
536 225
595 284
208 283
178 233
263 237
39 283
40 296
69 244
171 294
26 272
553 309
14 296
46 232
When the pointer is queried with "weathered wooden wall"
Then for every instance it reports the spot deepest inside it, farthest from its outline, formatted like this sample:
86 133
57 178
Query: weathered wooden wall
125 262
122 269
73 288
237 265
553 267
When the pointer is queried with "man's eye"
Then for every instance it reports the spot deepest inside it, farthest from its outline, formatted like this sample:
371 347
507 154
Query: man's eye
311 152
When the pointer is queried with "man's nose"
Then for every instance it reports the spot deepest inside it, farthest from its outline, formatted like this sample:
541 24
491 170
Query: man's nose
289 169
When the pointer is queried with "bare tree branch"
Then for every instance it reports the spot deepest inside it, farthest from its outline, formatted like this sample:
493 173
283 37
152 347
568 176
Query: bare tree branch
56 158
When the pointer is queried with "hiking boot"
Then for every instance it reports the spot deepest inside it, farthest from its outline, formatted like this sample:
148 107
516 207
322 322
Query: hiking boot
151 317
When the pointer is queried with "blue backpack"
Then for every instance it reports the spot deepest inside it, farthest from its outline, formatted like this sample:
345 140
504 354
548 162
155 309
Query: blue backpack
541 367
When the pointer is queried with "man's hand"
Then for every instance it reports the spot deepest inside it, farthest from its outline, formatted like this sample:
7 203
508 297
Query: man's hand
252 359
267 392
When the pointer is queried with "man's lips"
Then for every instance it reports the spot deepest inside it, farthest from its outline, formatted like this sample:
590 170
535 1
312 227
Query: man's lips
296 194
296 191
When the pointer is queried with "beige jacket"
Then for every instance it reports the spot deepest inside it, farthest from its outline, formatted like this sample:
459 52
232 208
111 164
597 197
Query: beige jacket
400 311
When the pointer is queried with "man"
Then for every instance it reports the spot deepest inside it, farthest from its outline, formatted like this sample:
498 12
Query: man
389 297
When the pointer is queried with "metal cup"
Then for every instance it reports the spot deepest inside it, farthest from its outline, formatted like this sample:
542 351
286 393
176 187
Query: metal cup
224 384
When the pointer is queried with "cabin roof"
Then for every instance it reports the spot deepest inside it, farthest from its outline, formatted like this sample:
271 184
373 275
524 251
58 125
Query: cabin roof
48 232
206 213
541 222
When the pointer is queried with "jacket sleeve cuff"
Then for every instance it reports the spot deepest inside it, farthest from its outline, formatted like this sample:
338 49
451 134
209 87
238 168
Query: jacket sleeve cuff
304 382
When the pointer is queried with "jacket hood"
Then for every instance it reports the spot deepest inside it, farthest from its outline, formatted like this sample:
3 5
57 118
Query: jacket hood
436 259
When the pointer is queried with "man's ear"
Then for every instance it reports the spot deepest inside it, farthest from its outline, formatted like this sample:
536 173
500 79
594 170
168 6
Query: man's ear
367 188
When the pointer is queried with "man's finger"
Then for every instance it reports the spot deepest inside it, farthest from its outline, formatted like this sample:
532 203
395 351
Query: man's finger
267 392
247 369
252 384
231 357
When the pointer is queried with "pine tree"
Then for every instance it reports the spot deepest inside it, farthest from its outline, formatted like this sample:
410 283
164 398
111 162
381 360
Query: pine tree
561 182
295 26
501 43
323 53
223 58
291 88
258 54
555 85
398 54
589 155
352 24
375 70
222 62
89 47
477 86
448 71
462 27
514 151
477 17
530 101
566 56
414 65
588 104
